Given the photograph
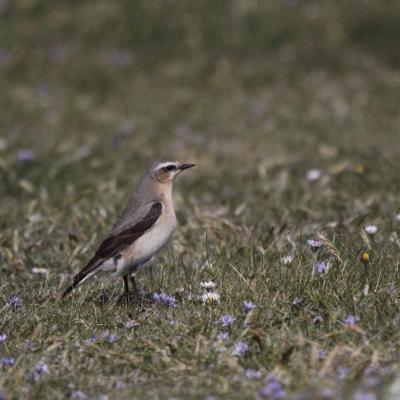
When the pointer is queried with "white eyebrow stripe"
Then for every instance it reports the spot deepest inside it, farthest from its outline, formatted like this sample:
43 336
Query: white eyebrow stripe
165 164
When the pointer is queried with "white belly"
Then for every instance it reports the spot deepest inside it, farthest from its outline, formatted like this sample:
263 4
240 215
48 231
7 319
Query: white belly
147 246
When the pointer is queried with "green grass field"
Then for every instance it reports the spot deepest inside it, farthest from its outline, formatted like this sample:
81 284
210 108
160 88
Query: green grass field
257 94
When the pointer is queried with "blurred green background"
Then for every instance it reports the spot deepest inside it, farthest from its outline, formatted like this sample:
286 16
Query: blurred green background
105 87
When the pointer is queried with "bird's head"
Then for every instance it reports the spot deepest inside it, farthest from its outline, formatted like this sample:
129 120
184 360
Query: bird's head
166 172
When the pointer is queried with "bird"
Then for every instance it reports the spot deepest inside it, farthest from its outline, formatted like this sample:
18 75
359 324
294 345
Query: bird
142 229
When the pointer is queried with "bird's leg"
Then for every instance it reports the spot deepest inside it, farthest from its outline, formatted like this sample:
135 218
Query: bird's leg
126 285
134 285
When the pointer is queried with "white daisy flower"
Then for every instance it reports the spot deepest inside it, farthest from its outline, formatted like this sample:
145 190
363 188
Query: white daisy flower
208 284
371 229
313 175
210 298
287 260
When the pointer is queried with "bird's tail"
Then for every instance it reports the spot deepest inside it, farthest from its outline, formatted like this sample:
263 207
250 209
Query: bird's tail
80 277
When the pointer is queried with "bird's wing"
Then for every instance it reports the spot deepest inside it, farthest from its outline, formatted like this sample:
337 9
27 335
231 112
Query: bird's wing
114 243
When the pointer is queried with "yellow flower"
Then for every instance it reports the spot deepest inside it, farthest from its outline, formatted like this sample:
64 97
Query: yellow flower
359 168
365 257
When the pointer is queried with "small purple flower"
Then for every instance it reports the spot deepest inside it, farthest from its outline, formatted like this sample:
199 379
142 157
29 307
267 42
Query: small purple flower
5 56
240 348
40 369
328 393
3 337
365 396
29 345
273 389
252 374
342 372
168 300
164 298
83 152
14 302
91 339
112 338
314 244
8 361
371 380
122 57
351 320
42 89
248 306
77 395
227 320
321 354
58 54
26 155
156 297
321 267
368 371
119 385
222 336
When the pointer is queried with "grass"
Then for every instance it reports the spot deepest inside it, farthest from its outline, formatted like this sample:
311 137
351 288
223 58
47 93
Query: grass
257 94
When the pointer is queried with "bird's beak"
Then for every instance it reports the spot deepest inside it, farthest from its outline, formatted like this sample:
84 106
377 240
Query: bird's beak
185 166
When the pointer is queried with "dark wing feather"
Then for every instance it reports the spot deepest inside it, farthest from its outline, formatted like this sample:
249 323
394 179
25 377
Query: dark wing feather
114 244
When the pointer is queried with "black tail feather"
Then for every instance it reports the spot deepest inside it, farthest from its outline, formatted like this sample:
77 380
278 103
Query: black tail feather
78 278
70 288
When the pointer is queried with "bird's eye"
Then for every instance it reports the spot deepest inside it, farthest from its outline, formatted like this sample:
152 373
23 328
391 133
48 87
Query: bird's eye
170 168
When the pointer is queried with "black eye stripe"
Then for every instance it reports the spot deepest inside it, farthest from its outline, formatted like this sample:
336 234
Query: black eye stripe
169 168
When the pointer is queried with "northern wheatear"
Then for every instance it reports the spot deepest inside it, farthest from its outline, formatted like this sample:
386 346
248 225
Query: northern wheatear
142 229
